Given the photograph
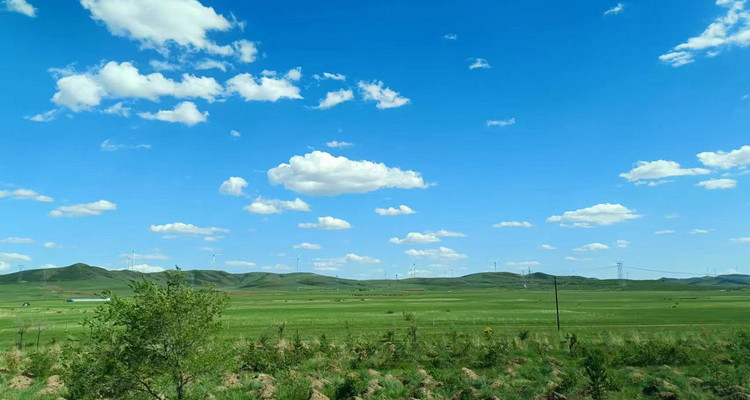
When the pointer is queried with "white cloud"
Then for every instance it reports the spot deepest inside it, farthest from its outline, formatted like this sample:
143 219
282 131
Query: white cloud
652 183
210 63
506 122
308 246
246 50
118 109
391 211
523 264
234 133
14 257
336 144
48 266
592 247
20 6
513 224
188 229
52 245
294 74
83 210
80 92
239 264
442 253
713 184
147 269
726 160
268 88
108 145
160 24
740 240
17 240
326 223
151 256
386 98
615 10
163 65
665 232
569 258
660 169
233 186
698 232
185 113
24 194
334 264
622 243
548 247
445 233
732 29
46 116
450 36
601 214
4 266
328 75
480 63
334 98
272 206
415 237
320 173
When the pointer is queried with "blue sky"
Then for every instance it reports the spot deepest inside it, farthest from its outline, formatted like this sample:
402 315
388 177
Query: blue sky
369 139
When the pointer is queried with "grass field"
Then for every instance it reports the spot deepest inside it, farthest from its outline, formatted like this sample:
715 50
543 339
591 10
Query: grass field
311 312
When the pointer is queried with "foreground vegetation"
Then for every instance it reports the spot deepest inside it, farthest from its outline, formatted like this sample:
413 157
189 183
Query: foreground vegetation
167 341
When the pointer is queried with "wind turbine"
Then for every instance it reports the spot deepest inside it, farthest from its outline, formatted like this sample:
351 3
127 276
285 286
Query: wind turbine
299 257
213 260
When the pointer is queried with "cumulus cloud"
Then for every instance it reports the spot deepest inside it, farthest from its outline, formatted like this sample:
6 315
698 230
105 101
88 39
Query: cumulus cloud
24 194
80 92
233 186
714 184
20 6
645 170
326 223
319 173
184 113
108 145
14 257
209 63
441 253
118 109
445 233
234 133
52 245
334 264
147 256
416 237
239 264
186 229
386 98
450 36
665 232
479 63
501 122
523 264
46 116
147 269
726 160
84 209
334 98
513 224
159 65
246 50
615 10
267 88
548 247
272 206
740 240
308 246
592 247
731 29
391 211
328 75
600 214
17 240
622 243
157 25
336 144
4 266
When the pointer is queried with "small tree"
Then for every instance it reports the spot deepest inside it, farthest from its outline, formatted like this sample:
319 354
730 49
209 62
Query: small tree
152 345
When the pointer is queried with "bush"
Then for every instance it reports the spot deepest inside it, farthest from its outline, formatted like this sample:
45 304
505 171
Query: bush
352 386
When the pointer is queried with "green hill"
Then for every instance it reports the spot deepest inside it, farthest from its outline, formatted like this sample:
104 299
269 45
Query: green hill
81 275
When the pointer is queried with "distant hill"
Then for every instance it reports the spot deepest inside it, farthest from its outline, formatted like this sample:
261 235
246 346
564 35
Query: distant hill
86 276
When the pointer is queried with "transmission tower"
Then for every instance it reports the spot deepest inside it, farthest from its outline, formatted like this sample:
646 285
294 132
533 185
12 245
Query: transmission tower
619 274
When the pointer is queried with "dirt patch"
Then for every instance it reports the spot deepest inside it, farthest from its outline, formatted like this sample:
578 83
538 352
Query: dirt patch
232 381
268 386
316 395
54 385
20 382
469 374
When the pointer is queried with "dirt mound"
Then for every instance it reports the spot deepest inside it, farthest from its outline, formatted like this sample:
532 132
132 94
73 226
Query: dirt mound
20 382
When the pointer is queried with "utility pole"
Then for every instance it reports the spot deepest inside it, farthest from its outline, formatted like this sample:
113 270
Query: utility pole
20 273
557 305
495 262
